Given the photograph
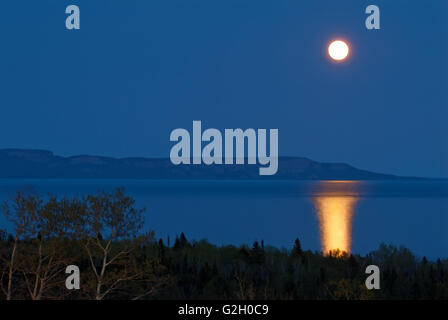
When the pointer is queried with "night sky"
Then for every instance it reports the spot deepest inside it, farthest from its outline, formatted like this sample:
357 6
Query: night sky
139 69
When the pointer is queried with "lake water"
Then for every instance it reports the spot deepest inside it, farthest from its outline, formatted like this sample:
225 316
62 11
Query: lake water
354 216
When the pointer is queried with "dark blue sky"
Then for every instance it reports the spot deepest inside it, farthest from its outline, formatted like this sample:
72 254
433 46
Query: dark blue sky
139 69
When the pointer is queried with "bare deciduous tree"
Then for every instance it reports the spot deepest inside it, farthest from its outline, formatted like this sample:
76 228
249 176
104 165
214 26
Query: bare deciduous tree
110 234
22 213
44 261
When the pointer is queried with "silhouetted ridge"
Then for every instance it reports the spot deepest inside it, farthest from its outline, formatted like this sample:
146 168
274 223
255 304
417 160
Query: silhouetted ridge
18 163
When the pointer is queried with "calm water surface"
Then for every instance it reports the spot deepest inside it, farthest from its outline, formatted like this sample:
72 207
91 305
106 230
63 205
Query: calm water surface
353 216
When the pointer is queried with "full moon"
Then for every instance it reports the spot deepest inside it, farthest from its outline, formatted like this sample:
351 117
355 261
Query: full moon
338 50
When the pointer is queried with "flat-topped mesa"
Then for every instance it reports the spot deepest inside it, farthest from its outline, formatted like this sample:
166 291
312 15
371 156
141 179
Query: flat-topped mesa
26 154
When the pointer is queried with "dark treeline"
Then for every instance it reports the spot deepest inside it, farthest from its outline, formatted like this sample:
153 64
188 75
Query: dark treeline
101 234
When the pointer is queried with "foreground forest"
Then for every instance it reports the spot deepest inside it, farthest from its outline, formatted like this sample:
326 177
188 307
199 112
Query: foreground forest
102 235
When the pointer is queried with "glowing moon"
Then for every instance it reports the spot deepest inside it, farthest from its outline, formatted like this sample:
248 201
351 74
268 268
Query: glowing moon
338 50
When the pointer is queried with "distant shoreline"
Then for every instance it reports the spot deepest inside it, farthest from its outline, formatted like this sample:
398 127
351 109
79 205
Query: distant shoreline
43 164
